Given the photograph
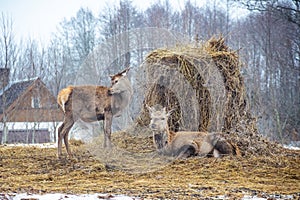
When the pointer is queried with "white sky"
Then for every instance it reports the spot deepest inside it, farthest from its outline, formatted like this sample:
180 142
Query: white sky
38 19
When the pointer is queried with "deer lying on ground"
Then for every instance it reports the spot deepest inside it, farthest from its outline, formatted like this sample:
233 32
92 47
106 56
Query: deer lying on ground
93 103
184 144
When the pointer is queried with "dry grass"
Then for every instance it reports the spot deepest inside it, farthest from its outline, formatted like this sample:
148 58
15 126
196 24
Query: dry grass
36 170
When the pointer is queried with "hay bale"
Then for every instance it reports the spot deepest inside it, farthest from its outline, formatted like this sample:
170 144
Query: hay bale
170 71
203 85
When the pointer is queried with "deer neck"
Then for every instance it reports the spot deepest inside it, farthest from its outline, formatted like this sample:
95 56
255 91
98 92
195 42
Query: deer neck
167 147
121 100
169 134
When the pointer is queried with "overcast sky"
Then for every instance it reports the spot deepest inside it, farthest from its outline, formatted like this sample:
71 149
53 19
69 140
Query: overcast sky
39 18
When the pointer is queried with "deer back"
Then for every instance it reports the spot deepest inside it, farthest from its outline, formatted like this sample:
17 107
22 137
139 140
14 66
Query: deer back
89 102
185 138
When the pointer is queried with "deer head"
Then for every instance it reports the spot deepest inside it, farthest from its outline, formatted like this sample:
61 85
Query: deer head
159 125
120 82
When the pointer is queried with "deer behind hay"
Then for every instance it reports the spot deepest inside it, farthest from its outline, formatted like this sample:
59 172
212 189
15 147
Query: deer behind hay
93 103
184 144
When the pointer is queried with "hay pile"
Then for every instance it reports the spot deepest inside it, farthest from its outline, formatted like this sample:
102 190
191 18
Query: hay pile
204 86
131 153
37 170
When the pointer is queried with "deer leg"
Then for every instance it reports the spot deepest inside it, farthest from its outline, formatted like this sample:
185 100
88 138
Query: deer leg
216 153
107 129
67 127
186 151
59 140
206 148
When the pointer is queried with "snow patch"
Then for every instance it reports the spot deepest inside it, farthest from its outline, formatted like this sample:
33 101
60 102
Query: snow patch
97 196
38 145
59 196
291 147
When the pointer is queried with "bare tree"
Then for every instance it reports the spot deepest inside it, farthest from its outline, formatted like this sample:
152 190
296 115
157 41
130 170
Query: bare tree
8 56
271 50
8 46
70 46
116 21
31 60
83 33
287 9
159 15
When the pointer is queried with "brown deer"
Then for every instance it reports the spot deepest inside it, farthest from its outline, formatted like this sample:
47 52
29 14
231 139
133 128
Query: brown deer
184 144
93 103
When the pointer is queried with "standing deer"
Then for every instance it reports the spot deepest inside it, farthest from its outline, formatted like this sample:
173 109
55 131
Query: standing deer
184 144
93 103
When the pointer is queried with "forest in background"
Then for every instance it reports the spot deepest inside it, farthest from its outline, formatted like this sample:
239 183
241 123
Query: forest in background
267 40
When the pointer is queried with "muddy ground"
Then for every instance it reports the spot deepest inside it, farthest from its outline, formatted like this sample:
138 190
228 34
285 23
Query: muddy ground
37 170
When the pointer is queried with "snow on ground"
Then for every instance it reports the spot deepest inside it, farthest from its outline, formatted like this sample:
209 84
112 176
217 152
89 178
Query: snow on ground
292 146
59 196
38 145
277 197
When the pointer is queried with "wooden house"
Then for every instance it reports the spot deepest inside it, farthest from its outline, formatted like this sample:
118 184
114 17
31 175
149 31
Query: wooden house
28 113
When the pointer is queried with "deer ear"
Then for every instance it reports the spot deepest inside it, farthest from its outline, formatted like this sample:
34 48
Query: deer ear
124 72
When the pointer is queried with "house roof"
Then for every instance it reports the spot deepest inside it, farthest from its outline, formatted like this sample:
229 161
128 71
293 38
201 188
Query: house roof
11 93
